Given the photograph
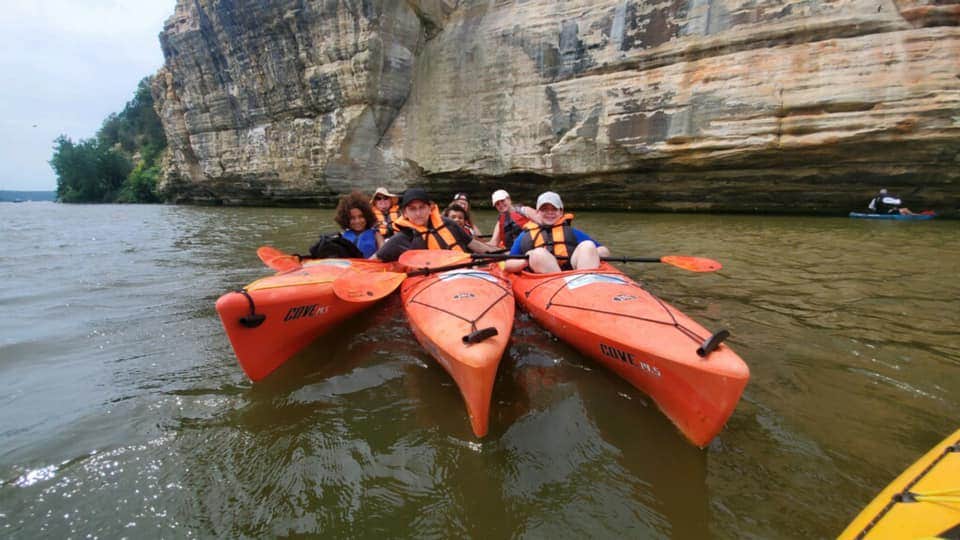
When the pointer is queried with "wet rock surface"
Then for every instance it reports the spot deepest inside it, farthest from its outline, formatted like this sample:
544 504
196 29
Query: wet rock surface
760 106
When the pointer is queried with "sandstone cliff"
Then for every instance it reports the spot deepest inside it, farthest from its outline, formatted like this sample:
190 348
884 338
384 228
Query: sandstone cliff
722 105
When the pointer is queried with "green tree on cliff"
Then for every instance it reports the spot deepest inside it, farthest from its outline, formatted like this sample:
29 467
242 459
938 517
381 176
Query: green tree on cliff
120 164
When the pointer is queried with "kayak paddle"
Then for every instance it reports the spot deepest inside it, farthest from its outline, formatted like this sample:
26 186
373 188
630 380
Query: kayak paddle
278 260
427 258
356 286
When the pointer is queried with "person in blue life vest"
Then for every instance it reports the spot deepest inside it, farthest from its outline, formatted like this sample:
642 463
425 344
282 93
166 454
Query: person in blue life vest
552 244
355 216
885 203
421 226
510 220
386 210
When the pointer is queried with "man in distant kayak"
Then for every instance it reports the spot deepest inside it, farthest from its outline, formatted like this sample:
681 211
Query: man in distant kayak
421 226
511 220
552 244
885 203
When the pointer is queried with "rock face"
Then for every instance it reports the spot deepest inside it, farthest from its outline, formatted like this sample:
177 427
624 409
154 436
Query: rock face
720 105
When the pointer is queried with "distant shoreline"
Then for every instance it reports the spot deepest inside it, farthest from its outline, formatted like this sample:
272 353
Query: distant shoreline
23 196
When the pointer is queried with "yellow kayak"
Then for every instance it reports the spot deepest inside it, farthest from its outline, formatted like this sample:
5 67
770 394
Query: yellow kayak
923 502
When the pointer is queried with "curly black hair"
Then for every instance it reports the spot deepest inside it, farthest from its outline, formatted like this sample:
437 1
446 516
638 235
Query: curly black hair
457 207
349 202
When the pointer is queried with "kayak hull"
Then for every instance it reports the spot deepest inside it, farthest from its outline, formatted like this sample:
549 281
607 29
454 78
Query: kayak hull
897 217
443 309
937 471
607 316
273 318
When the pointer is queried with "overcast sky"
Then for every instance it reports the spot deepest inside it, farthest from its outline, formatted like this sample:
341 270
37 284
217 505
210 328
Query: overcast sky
64 66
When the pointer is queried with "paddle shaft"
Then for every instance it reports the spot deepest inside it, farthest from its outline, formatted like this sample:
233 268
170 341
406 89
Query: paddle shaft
612 259
428 271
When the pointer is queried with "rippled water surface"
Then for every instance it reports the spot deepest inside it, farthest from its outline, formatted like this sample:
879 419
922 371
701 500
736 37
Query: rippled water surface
123 412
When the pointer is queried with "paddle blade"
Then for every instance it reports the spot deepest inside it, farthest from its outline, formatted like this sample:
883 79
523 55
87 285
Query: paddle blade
278 260
693 264
366 286
433 258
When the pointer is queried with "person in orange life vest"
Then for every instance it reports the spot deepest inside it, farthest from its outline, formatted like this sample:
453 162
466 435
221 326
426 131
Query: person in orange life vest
459 214
511 220
462 200
421 226
385 210
550 235
355 215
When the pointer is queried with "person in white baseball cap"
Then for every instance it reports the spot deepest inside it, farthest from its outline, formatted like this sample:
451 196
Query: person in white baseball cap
552 244
511 220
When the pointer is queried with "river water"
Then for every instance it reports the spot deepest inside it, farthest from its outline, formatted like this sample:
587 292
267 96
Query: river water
123 412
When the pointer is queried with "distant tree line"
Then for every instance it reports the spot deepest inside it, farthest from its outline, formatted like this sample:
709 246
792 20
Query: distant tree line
120 164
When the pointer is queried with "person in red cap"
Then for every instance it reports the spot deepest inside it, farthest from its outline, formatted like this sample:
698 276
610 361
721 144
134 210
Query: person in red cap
421 226
511 220
550 236
386 210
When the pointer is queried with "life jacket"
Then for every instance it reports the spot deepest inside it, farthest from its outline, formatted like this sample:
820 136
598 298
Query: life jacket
436 234
885 204
511 225
365 241
558 238
385 222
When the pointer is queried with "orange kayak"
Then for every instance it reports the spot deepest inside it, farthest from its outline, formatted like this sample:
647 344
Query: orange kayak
463 318
273 318
609 317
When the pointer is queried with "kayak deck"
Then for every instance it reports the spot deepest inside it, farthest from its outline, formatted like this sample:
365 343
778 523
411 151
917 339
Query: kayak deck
652 345
923 502
273 318
897 217
463 318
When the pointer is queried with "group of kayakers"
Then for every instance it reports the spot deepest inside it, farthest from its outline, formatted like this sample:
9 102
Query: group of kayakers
541 238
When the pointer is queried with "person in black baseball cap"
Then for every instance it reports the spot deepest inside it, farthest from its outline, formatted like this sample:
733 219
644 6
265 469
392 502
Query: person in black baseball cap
422 227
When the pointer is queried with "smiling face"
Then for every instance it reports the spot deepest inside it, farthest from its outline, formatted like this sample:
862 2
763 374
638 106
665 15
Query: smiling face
457 216
382 203
418 212
358 223
502 205
548 214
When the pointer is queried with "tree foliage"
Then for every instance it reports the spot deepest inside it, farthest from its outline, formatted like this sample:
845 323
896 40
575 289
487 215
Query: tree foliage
120 164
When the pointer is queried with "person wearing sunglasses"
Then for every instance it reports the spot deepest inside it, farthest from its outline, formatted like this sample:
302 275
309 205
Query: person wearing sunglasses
385 210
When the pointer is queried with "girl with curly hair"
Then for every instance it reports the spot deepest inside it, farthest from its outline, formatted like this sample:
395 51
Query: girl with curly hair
355 215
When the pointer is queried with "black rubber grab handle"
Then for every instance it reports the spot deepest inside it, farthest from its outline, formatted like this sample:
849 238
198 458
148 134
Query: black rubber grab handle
713 342
480 335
